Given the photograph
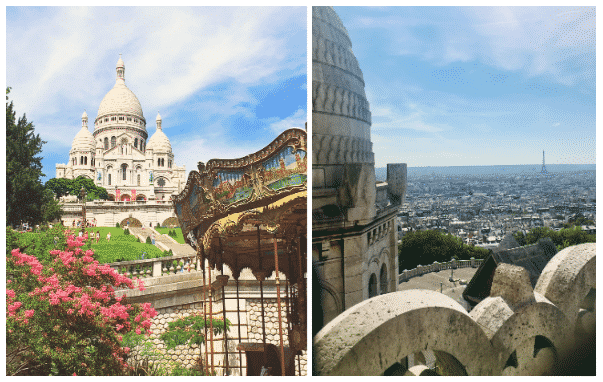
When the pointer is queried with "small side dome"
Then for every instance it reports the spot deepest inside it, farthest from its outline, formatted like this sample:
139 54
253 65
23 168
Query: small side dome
159 142
84 140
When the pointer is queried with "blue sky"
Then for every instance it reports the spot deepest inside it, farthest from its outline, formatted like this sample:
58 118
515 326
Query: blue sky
460 86
226 81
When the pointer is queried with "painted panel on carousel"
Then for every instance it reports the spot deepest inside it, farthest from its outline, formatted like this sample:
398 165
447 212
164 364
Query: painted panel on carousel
231 186
286 169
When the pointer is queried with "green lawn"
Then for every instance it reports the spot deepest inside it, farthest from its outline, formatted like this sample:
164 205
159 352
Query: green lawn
121 247
179 238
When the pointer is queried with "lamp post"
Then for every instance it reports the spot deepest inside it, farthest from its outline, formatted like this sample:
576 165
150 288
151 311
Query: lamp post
83 198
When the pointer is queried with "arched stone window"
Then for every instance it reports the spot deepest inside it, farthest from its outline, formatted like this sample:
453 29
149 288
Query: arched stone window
124 170
372 286
106 143
383 279
158 162
113 141
136 142
86 160
109 179
161 182
138 180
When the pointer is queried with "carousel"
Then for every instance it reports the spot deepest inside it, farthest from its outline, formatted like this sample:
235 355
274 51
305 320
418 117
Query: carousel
246 218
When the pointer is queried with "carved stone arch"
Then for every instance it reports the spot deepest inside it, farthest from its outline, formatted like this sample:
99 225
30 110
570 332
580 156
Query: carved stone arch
133 222
330 305
375 334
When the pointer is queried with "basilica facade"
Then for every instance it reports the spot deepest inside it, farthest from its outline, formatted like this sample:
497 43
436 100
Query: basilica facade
117 155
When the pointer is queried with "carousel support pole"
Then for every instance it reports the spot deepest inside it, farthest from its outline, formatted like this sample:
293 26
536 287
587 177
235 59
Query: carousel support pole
261 279
205 367
301 289
224 312
278 304
211 320
239 327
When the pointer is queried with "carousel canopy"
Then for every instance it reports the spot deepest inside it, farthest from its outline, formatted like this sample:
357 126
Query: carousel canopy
232 211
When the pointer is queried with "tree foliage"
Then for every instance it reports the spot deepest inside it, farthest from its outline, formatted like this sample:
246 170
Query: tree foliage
61 187
425 247
24 190
563 238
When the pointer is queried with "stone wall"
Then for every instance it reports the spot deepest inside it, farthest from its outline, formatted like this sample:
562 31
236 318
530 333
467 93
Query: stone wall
249 327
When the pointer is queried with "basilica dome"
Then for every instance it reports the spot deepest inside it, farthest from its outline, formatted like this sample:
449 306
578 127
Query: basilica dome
341 118
120 100
159 142
83 141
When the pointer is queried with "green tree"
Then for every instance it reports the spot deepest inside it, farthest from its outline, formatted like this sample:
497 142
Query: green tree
24 190
425 247
51 209
63 187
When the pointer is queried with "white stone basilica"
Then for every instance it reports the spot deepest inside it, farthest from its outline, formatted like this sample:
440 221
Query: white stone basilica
117 155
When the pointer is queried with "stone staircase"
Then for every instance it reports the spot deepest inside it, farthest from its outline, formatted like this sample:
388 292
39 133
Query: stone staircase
163 242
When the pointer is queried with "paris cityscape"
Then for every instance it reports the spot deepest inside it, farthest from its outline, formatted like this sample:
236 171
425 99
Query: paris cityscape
481 209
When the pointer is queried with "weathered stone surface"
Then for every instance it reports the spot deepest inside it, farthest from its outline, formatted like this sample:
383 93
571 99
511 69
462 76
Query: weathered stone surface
512 283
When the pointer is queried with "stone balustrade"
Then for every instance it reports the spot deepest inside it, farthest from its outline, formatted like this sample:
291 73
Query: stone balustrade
420 270
519 329
158 267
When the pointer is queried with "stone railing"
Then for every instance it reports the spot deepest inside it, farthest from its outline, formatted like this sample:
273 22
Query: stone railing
518 330
420 270
157 267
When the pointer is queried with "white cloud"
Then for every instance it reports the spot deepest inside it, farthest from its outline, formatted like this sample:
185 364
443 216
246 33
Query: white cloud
170 53
297 119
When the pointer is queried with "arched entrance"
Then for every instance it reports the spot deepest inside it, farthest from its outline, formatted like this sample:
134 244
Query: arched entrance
141 197
133 222
171 222
372 286
383 279
125 198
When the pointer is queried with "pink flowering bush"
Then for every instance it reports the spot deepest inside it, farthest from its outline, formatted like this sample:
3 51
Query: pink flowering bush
65 317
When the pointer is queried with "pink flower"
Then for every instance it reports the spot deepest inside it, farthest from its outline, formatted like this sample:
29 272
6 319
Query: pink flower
29 313
16 305
137 330
10 293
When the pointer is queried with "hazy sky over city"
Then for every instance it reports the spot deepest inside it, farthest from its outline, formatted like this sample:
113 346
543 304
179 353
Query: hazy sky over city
226 81
460 86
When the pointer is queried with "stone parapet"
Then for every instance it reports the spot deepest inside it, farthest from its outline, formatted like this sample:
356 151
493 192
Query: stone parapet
517 330
420 270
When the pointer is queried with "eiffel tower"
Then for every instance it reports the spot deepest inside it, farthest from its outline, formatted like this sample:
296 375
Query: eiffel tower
543 171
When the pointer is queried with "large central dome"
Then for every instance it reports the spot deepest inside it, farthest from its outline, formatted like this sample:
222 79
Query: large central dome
120 100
